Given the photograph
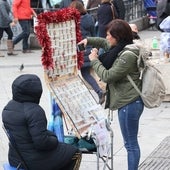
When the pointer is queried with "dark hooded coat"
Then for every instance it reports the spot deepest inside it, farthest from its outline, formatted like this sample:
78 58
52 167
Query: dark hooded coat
27 121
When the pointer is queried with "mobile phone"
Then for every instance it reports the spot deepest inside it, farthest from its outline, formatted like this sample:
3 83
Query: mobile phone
80 47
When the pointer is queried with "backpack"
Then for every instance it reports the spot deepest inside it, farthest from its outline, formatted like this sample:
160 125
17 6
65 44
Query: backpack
153 87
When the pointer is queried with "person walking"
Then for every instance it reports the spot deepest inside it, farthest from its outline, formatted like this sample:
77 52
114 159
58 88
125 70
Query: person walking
22 13
119 6
5 25
87 30
121 95
105 13
26 120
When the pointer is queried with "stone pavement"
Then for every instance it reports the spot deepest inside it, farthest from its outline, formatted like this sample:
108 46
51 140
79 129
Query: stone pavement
154 124
159 159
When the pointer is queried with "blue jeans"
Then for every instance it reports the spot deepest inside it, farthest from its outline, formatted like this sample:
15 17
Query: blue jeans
24 35
129 116
44 4
85 72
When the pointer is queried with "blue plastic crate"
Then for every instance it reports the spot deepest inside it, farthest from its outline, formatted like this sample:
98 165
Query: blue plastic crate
7 166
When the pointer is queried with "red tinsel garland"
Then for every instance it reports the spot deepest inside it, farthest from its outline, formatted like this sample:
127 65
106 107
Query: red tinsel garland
61 15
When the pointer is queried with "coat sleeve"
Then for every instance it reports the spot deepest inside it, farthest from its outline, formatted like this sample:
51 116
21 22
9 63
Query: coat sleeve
122 66
98 42
15 5
42 138
5 14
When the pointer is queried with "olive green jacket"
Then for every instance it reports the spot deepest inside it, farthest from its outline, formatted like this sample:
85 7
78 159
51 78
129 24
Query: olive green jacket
120 92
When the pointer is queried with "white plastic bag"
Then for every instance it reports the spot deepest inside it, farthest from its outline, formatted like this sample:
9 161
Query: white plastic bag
102 137
165 42
165 24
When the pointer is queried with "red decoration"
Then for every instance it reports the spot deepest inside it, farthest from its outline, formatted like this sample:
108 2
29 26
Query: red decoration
61 15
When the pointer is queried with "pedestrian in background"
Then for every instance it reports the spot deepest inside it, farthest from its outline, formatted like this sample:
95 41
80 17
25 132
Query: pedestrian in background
87 30
92 7
163 11
66 3
105 13
23 13
119 5
121 95
44 5
5 25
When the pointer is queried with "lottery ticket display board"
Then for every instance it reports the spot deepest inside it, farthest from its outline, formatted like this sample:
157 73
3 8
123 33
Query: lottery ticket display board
78 103
63 43
58 33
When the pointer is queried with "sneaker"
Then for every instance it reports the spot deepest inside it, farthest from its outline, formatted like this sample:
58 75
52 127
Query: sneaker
101 97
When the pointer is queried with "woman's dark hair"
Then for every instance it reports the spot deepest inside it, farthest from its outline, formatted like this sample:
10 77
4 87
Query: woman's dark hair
79 6
120 30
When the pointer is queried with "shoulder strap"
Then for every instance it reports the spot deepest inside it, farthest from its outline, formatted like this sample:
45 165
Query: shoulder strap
130 78
140 63
134 85
113 10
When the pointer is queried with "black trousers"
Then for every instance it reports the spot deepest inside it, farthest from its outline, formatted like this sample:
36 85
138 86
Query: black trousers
8 31
75 163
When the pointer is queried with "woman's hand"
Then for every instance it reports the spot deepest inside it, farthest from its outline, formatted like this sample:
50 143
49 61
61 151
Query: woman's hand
84 41
94 54
15 20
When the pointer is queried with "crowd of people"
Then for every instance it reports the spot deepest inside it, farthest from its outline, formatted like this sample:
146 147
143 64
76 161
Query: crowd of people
22 13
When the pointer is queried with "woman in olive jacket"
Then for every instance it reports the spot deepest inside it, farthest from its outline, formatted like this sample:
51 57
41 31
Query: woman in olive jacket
27 122
116 63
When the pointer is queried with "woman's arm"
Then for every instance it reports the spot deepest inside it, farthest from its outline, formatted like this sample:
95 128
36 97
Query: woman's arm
95 42
42 138
122 66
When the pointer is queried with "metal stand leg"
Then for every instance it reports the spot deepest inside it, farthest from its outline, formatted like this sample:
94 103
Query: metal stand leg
98 156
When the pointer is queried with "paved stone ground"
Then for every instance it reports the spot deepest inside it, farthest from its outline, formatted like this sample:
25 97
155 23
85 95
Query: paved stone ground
159 159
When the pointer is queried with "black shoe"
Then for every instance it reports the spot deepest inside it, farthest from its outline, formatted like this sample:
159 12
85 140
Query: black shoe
27 51
101 97
12 54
